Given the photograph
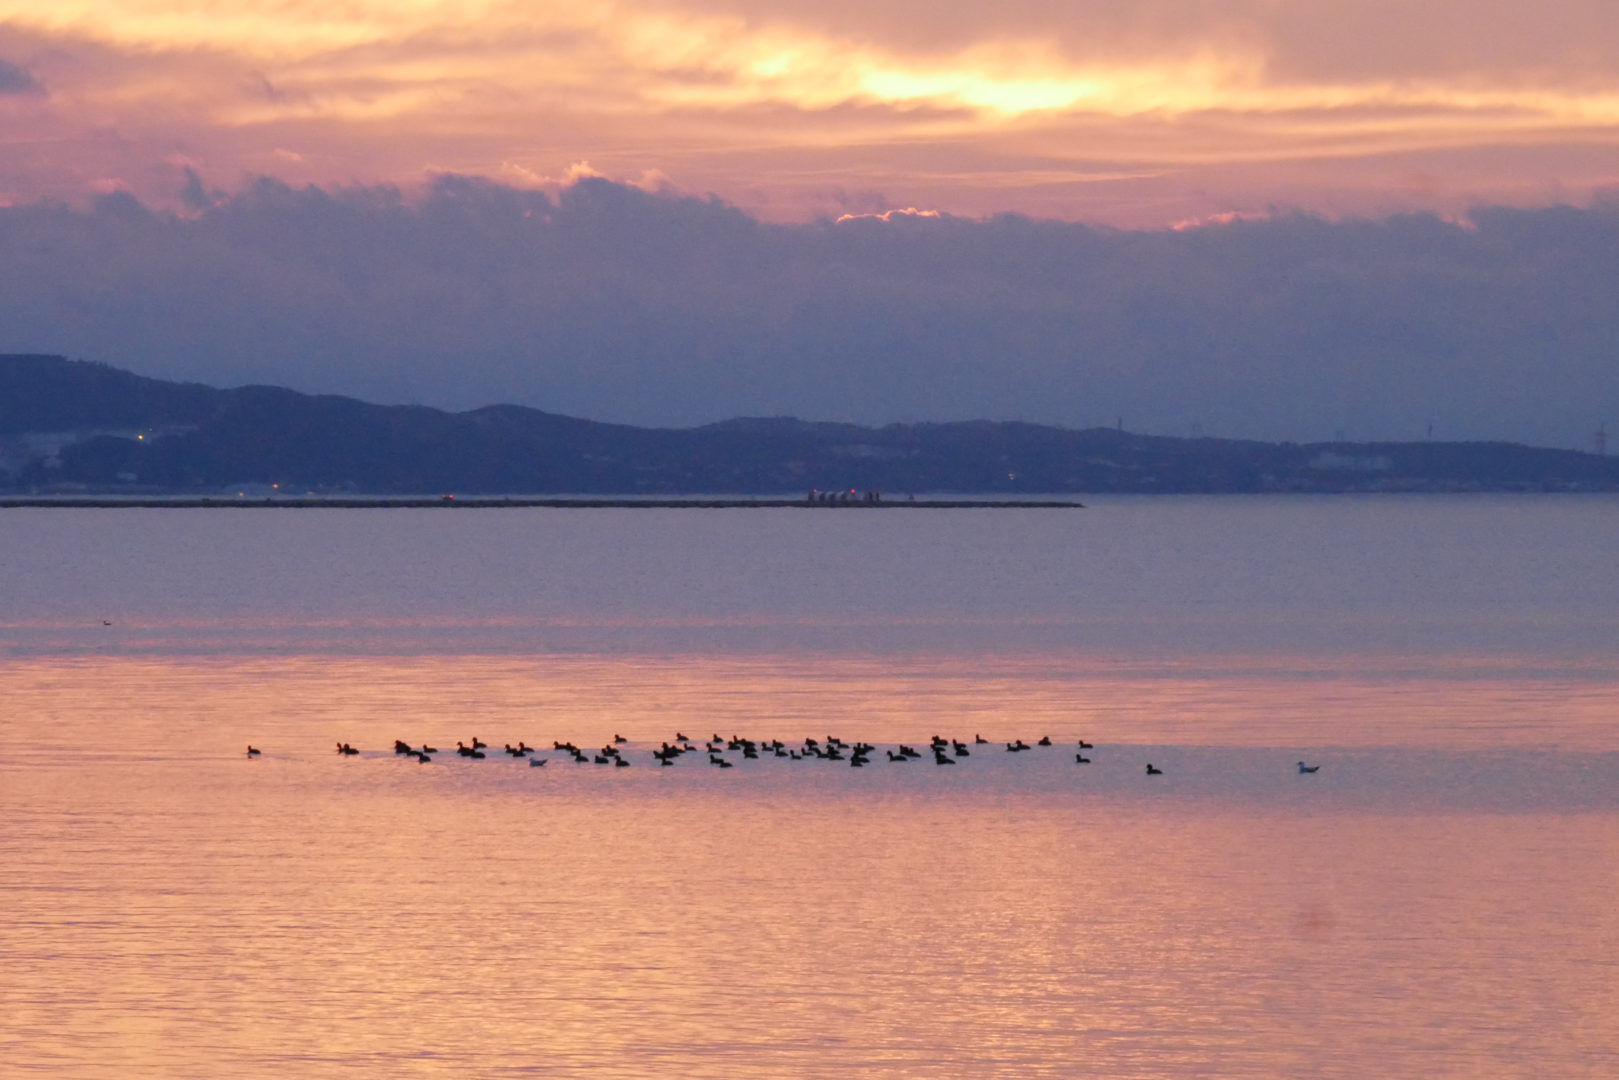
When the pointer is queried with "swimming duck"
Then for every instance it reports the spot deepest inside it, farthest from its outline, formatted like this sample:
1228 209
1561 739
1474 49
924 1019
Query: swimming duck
1303 768
1153 770
251 751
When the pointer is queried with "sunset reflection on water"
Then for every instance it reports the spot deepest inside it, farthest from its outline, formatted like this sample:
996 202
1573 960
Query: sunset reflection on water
174 908
1436 901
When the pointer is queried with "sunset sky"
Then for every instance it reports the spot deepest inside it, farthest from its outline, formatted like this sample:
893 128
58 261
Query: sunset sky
1141 115
1266 218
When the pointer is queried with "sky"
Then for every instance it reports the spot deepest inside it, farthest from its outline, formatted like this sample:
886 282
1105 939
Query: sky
1250 217
1138 115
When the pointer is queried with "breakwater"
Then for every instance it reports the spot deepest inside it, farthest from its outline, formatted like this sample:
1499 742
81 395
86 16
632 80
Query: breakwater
414 502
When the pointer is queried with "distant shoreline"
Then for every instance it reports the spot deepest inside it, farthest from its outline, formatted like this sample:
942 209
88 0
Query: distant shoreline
201 502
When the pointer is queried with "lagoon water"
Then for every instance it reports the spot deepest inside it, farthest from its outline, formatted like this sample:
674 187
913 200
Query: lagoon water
1437 901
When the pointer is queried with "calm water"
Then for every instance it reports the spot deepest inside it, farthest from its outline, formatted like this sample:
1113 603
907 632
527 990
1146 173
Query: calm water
1435 902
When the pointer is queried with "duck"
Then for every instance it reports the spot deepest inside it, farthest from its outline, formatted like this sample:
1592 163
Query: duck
1045 740
252 751
1083 745
1303 768
1081 759
1153 770
536 763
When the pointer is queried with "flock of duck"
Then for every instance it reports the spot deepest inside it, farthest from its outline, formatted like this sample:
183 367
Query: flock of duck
857 754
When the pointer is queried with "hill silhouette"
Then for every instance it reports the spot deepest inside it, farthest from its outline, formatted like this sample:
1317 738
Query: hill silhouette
75 426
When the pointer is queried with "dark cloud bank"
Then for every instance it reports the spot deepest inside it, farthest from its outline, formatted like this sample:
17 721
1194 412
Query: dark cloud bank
611 303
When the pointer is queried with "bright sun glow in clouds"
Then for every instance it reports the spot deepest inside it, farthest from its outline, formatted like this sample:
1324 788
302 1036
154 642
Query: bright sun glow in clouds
367 91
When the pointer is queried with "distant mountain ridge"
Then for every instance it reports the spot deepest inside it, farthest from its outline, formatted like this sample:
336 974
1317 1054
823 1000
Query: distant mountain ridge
76 426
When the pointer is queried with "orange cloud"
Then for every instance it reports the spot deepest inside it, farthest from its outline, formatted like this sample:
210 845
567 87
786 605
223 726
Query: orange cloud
726 95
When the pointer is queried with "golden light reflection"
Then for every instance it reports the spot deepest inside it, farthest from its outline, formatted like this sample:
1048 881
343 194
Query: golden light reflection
179 907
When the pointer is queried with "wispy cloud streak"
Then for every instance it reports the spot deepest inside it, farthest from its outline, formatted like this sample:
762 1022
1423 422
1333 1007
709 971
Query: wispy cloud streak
751 99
